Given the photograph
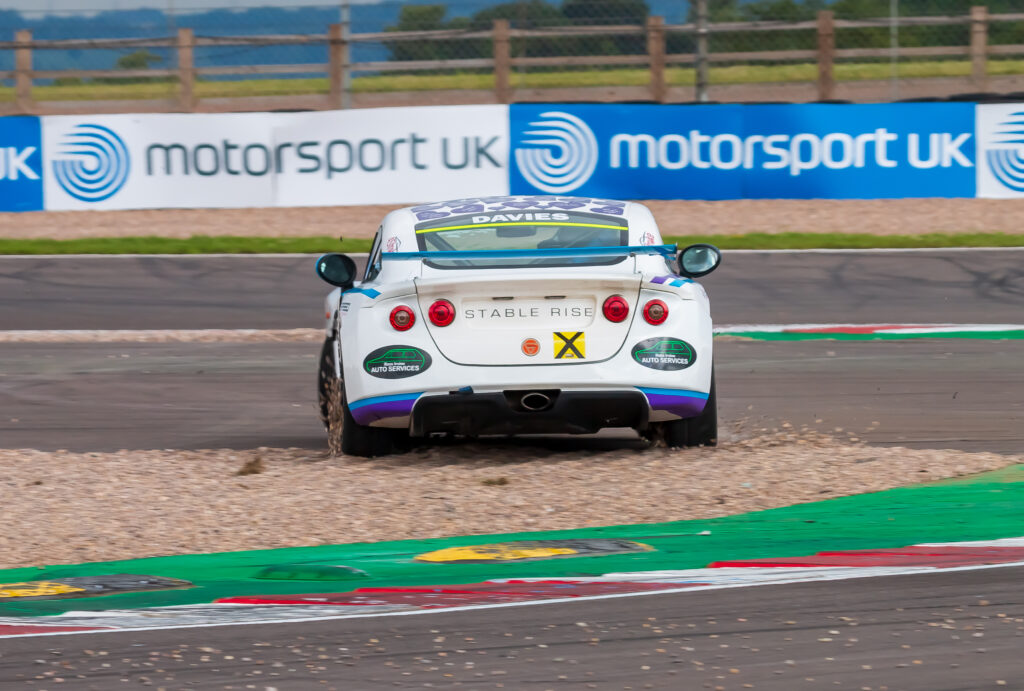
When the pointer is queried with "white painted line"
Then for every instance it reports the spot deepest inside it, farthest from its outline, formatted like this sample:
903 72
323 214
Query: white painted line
908 571
812 574
1000 542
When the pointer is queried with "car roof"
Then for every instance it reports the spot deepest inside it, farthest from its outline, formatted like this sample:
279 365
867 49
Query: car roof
399 225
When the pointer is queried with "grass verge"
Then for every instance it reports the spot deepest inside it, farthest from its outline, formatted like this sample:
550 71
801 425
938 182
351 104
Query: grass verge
228 244
613 76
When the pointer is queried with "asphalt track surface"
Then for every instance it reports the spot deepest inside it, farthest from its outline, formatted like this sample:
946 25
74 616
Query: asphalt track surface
955 631
104 397
281 292
962 394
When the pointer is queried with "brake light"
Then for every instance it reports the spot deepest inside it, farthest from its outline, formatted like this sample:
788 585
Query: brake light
655 312
402 318
615 308
441 313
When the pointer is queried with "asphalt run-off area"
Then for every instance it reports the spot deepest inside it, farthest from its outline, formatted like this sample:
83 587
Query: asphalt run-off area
868 597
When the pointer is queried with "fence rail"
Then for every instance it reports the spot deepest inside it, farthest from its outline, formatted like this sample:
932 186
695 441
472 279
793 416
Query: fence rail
339 68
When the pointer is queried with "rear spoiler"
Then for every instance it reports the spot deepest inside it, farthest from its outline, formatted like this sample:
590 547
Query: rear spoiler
663 250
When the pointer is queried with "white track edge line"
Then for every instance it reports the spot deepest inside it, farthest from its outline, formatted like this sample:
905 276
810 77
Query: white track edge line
910 571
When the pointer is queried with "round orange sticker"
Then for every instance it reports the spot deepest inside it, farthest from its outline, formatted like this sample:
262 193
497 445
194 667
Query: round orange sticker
531 346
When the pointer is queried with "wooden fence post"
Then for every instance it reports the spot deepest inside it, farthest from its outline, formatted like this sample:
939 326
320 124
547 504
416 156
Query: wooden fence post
826 55
187 100
502 62
979 47
337 54
702 54
23 72
656 55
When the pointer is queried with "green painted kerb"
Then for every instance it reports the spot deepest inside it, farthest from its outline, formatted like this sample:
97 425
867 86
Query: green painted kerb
982 507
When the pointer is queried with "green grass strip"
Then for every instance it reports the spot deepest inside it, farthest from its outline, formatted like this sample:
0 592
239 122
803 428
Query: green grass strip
197 244
216 244
530 79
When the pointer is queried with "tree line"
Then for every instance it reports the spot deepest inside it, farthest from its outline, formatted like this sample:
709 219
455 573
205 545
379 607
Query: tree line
529 14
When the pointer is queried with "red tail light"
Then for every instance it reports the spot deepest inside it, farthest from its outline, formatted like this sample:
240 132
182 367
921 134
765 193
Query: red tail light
441 313
402 318
615 308
655 312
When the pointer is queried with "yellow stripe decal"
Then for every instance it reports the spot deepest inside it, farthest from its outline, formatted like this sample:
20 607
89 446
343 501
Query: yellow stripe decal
522 223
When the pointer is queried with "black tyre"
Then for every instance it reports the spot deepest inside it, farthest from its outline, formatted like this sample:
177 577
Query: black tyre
323 381
695 431
344 434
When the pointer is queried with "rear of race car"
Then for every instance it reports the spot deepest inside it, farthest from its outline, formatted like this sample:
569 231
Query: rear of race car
527 338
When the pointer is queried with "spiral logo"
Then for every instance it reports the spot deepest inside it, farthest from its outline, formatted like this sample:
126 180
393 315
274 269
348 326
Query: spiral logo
1005 152
92 164
560 156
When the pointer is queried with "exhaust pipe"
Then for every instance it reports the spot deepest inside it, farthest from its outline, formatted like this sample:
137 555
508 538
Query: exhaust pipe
535 401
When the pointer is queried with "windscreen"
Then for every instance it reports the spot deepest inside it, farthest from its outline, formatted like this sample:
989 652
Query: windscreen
527 230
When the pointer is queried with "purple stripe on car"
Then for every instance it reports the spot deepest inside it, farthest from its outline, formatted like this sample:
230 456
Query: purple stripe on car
682 403
372 409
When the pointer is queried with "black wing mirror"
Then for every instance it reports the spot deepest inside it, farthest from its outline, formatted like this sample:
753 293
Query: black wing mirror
337 269
699 260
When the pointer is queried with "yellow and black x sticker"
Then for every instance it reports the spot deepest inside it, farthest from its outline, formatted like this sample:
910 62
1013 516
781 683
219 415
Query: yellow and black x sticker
570 345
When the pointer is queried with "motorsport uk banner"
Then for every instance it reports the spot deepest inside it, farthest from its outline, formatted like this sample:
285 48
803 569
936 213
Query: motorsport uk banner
409 155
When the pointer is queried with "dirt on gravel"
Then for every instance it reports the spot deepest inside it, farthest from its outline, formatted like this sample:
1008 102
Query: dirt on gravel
877 217
71 507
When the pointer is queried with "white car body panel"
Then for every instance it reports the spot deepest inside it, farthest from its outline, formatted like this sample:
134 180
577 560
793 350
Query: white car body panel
498 308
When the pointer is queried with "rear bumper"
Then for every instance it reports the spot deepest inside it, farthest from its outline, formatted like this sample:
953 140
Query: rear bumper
570 412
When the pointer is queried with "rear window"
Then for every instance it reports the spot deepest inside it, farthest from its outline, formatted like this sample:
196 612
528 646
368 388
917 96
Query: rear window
526 230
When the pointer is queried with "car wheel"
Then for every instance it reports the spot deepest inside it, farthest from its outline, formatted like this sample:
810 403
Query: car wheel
695 431
325 375
344 434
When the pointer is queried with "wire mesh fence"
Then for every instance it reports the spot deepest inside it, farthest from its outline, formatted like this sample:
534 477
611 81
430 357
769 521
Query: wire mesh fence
723 50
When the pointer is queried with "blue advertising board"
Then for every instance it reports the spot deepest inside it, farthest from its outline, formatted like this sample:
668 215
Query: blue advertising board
21 164
744 151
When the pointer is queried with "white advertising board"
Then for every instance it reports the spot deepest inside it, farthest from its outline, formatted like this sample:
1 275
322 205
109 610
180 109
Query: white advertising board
157 161
1000 153
392 155
371 156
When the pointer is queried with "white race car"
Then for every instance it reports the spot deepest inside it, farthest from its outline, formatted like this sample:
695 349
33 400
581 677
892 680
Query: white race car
518 315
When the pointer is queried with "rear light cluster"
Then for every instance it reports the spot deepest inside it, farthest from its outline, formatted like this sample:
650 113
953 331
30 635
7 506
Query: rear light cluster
615 309
655 312
402 318
441 313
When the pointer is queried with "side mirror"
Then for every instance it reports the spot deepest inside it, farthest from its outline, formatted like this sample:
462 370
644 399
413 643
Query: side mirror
699 260
337 269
